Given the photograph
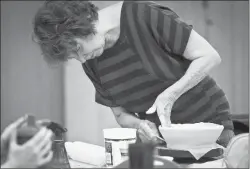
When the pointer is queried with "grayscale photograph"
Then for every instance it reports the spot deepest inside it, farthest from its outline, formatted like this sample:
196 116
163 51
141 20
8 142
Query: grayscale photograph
124 84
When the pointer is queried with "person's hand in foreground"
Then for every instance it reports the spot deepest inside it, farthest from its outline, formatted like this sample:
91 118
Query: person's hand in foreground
34 153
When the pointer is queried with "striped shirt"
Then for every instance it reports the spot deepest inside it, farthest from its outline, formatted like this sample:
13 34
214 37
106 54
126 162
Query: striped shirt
146 60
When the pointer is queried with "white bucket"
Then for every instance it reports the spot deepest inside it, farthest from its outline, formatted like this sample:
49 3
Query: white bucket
117 141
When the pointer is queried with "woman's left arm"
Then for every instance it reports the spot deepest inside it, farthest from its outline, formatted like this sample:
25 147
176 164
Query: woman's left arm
204 58
181 39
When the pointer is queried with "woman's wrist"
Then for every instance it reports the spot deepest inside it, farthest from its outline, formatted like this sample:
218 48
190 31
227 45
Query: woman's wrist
134 123
125 119
129 121
172 93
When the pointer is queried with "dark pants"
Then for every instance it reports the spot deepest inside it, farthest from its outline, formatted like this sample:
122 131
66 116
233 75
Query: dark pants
223 140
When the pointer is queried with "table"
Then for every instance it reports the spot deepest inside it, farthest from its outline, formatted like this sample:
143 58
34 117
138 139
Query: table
77 164
211 164
90 148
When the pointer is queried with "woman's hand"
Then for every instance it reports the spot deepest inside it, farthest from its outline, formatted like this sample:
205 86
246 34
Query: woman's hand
34 153
148 132
163 106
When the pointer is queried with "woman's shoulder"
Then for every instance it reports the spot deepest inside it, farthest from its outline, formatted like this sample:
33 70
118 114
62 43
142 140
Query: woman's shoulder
150 4
144 9
113 6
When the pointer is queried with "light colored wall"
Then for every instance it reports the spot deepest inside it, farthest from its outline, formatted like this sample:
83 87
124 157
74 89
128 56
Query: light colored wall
228 34
28 85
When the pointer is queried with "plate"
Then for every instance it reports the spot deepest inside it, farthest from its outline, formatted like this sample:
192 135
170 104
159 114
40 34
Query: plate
159 162
182 156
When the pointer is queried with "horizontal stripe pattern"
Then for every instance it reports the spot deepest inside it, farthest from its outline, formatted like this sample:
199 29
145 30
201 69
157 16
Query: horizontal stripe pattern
130 84
104 100
120 57
133 74
122 71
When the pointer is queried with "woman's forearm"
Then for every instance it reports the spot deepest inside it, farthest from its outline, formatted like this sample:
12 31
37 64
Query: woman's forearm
197 71
125 119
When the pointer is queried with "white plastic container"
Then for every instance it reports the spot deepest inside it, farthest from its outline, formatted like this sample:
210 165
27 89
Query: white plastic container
117 141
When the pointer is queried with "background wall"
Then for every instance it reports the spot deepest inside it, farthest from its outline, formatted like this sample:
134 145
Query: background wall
28 84
65 94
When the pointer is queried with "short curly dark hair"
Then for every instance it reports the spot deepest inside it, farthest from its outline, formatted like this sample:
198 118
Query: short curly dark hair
57 24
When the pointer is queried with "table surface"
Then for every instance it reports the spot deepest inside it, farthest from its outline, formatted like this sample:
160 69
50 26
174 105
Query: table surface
211 164
77 164
216 163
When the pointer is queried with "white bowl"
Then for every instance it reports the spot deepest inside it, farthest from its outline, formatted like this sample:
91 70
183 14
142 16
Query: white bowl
191 135
119 133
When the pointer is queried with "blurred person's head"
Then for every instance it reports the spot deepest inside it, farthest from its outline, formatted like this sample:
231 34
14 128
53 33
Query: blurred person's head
68 29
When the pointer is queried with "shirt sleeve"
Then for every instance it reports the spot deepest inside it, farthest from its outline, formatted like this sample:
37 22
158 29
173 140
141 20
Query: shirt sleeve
102 96
160 38
167 27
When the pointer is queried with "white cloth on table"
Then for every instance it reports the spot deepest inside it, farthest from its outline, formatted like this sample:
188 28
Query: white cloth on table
86 153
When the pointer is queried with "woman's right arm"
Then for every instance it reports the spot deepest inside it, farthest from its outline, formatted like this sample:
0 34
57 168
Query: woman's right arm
125 119
146 130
